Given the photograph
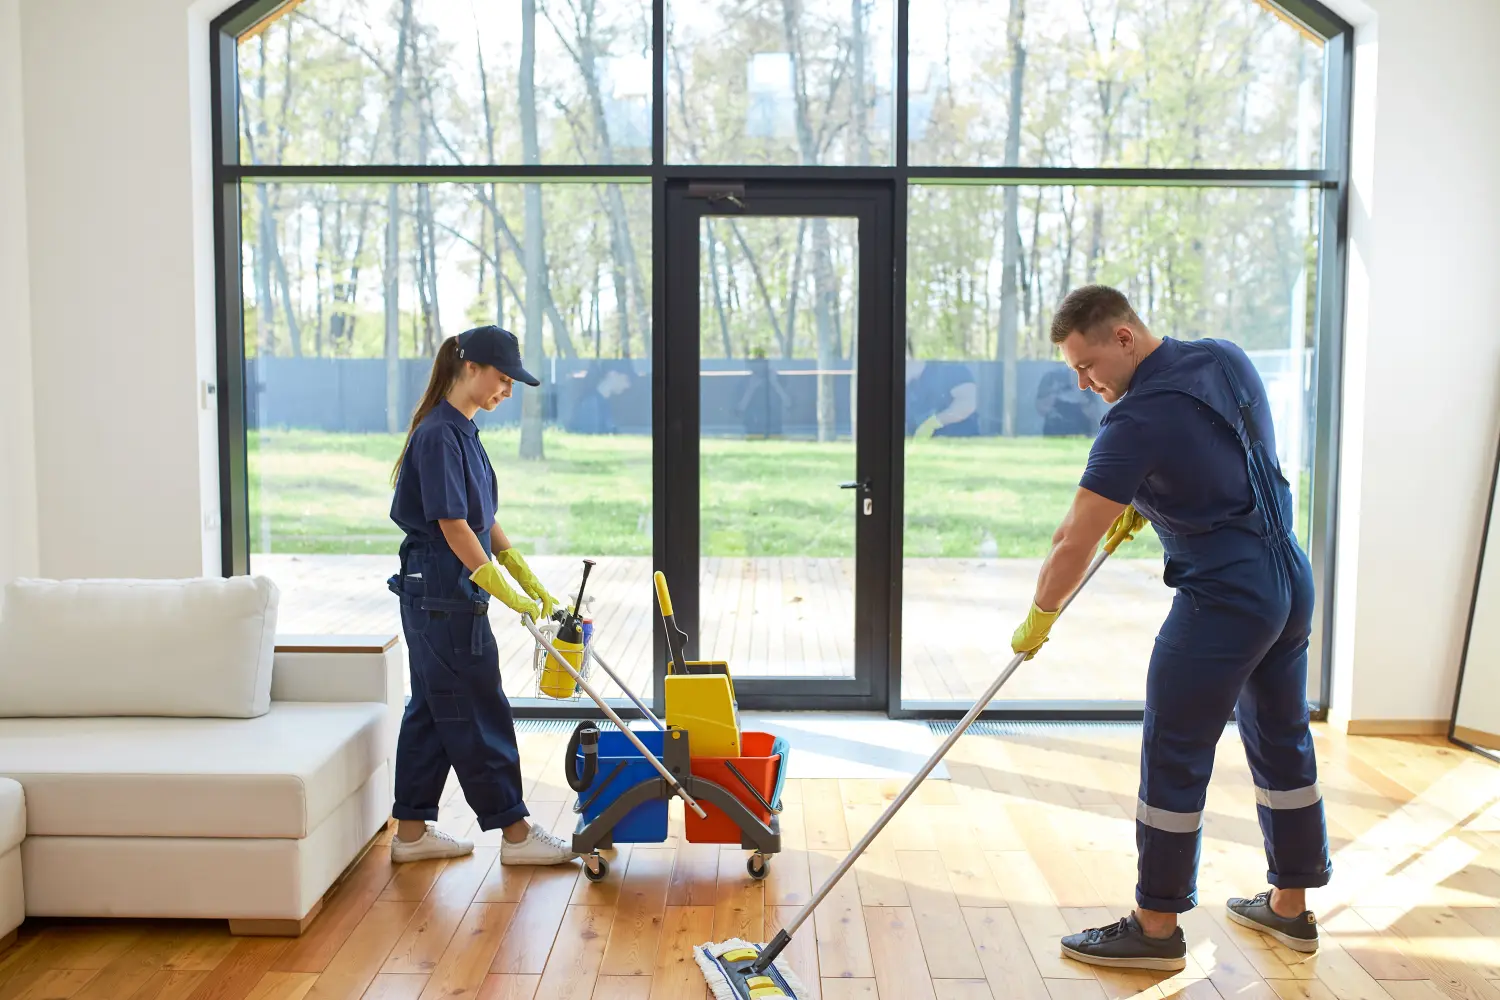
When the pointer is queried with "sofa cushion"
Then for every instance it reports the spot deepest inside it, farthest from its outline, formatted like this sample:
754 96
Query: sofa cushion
277 775
12 815
193 648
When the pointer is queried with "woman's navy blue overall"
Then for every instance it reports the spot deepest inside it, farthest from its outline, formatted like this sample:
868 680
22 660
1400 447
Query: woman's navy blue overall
458 716
1236 638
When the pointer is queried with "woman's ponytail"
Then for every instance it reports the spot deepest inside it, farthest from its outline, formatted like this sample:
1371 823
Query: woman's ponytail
445 369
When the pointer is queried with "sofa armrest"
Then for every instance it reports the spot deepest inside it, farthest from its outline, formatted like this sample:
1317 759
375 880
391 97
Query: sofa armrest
339 668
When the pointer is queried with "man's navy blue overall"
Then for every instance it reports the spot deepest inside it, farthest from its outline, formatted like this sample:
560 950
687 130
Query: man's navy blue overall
1192 446
458 715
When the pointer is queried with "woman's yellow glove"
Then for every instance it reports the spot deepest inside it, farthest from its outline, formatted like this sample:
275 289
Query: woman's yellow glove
927 428
512 560
1028 638
488 578
1124 529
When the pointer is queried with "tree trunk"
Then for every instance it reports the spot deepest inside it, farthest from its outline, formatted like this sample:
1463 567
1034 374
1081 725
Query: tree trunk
392 275
825 281
535 249
1009 303
857 97
713 269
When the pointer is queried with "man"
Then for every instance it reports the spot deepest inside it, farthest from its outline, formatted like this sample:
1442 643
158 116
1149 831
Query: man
1189 446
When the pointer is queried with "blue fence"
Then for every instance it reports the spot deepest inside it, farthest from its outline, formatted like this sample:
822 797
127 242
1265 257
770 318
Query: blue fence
738 397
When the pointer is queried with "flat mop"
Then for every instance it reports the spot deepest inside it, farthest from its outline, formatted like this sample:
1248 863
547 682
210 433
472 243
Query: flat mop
739 970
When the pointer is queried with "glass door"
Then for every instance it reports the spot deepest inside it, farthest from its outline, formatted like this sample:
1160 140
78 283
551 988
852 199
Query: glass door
775 469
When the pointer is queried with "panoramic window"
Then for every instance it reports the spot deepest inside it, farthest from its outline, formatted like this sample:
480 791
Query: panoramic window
848 225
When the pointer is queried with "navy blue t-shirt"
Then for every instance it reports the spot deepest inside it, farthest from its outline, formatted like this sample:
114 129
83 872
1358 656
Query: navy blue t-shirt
445 476
1170 455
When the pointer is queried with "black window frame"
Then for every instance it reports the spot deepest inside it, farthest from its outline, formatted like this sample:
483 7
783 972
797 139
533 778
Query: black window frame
1332 179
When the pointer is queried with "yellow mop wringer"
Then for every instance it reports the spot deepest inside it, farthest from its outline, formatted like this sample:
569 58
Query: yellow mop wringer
739 970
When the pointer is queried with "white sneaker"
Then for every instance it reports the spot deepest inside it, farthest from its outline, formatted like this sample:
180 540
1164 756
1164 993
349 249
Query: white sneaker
541 847
433 843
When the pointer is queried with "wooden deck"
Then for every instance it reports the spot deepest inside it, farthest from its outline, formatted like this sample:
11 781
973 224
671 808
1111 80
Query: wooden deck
962 897
786 617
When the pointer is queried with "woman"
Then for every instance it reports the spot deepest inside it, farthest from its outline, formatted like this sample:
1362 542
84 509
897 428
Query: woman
458 716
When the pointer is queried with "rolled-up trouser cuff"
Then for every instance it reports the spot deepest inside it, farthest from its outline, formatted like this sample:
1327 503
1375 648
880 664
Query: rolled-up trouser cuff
1301 880
1165 905
500 820
398 811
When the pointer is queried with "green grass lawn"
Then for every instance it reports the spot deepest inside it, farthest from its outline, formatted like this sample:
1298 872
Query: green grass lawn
315 492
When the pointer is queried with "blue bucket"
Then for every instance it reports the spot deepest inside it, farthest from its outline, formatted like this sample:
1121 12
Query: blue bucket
621 767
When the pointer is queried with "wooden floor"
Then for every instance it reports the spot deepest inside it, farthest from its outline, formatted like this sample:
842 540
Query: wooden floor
963 897
783 617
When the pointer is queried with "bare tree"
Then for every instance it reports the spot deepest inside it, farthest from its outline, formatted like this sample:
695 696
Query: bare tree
393 233
1010 229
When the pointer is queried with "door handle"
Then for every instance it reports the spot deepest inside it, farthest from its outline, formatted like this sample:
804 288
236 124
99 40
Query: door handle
863 485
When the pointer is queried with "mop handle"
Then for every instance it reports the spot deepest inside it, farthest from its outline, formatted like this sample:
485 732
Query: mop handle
623 687
598 700
768 955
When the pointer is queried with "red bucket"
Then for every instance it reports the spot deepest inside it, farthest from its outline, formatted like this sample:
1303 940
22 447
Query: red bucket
758 765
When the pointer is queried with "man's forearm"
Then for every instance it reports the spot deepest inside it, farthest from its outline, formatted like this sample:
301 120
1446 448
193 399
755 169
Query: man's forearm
1062 572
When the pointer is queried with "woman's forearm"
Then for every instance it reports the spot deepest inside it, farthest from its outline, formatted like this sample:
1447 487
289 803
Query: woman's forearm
464 543
498 541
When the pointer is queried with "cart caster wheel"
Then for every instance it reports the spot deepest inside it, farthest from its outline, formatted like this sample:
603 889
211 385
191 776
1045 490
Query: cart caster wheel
592 873
759 866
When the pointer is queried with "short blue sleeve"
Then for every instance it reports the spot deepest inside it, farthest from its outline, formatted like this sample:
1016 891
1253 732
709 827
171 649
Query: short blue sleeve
440 471
1120 459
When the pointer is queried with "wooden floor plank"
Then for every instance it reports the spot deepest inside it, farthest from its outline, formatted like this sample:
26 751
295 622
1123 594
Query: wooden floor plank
170 985
461 972
573 966
507 987
676 975
895 946
238 974
940 921
283 986
839 925
343 909
1008 965
623 988
354 966
529 939
438 917
636 931
397 986
802 954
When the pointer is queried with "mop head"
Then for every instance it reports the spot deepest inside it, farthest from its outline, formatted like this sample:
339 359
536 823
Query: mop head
724 966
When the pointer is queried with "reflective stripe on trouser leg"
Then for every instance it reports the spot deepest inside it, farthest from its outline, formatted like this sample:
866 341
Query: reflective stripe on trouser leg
1169 815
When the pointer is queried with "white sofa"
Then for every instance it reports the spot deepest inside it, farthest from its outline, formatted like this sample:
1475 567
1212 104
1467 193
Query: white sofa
177 762
12 832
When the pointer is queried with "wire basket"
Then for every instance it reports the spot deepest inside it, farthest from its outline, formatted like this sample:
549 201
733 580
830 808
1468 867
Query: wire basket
543 667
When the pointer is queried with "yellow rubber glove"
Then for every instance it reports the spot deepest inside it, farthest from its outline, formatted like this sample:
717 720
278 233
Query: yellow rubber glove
1124 529
1028 638
512 560
489 579
927 428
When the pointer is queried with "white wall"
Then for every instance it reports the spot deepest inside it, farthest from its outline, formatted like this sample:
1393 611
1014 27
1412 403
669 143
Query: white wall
1422 380
118 274
121 300
18 523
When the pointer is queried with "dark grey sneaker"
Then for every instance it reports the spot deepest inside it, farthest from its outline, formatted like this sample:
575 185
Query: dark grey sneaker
1299 933
1124 945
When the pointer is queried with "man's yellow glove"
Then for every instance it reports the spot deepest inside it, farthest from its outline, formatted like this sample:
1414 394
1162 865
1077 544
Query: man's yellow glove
1124 529
489 579
927 428
1033 631
512 560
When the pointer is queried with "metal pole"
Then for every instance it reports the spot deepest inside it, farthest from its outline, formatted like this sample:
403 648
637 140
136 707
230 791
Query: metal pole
632 737
783 937
589 652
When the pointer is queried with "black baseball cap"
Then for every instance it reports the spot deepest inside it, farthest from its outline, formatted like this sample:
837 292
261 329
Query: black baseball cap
490 345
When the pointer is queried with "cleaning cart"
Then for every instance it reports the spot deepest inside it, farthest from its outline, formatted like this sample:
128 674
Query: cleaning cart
625 778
